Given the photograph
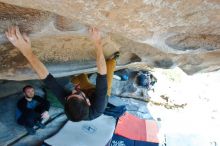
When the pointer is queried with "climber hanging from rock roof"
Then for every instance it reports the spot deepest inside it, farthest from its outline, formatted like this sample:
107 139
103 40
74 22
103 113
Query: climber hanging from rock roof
86 101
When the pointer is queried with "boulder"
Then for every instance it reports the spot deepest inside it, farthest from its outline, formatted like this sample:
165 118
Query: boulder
161 34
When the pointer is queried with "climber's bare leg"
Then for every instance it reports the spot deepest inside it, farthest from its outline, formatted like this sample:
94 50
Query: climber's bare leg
111 63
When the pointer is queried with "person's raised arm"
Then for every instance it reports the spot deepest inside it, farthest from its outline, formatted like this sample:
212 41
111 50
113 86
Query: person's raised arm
23 43
100 59
100 100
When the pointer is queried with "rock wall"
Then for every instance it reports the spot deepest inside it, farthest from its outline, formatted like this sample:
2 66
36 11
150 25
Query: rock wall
162 33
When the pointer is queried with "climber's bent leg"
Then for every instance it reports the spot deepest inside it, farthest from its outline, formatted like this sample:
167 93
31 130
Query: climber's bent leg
83 80
111 63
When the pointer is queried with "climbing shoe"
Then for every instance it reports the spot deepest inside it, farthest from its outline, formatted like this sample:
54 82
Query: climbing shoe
115 56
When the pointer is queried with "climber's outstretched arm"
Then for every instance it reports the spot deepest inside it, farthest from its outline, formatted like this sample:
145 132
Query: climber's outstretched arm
100 59
23 43
100 99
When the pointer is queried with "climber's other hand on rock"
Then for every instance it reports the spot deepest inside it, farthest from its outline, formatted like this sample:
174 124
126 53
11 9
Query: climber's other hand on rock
21 41
95 34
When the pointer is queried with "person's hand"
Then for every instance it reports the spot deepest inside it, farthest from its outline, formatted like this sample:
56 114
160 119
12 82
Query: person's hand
21 41
95 34
45 115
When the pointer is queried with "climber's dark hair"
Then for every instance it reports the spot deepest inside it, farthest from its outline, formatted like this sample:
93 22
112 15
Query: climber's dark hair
76 109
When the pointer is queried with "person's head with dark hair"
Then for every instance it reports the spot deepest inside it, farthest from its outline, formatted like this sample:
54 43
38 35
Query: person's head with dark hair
28 91
77 106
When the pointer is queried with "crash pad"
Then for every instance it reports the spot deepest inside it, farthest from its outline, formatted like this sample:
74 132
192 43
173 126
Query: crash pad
134 128
97 132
